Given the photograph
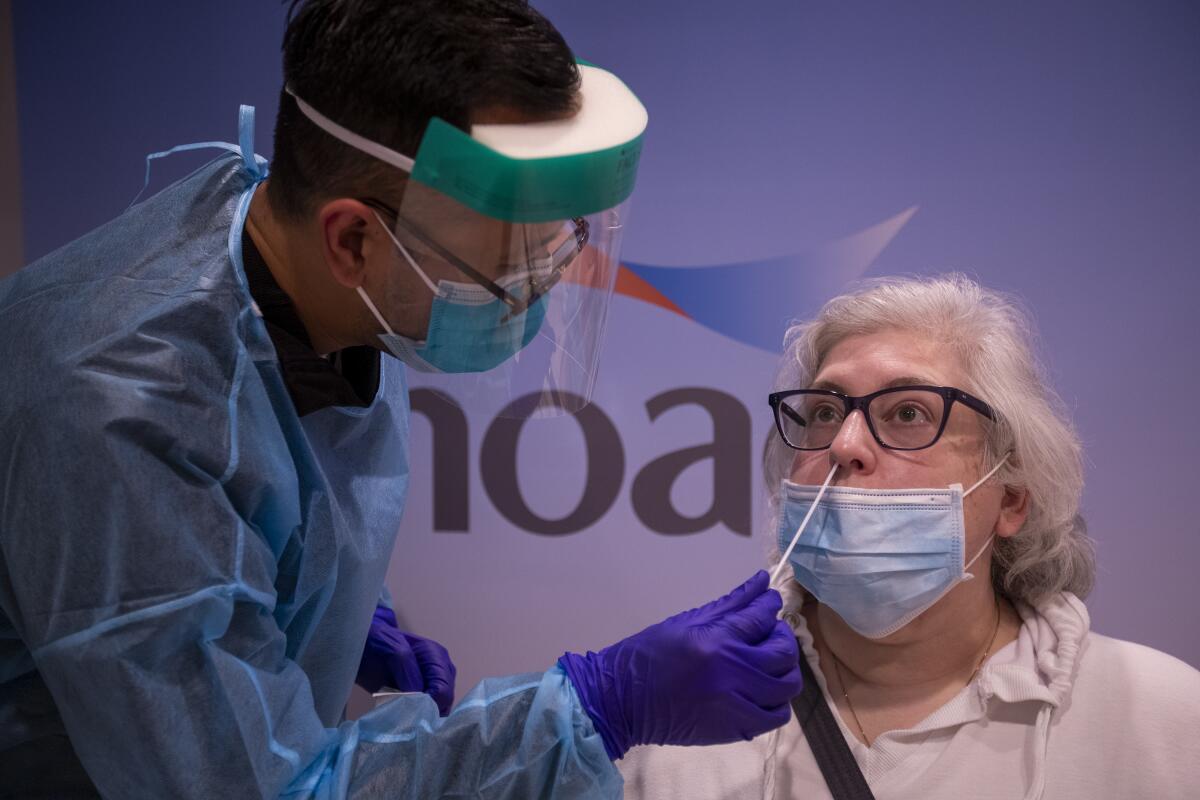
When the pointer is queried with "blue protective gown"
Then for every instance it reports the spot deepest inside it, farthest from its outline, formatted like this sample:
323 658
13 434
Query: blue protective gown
188 569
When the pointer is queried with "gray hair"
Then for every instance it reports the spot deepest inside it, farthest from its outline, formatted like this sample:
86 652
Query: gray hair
993 339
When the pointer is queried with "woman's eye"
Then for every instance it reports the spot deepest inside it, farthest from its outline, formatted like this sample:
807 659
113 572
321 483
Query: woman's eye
825 414
911 415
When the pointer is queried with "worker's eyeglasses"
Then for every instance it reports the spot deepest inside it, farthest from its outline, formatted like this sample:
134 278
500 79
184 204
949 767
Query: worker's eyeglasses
900 418
543 275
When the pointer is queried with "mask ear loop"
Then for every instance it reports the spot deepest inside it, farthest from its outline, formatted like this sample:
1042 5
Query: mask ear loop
412 263
404 252
991 472
970 575
378 317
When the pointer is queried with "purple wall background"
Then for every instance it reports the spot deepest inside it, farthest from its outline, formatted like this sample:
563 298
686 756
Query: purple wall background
1052 149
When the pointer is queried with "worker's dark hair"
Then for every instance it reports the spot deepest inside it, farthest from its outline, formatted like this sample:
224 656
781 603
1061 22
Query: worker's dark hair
384 68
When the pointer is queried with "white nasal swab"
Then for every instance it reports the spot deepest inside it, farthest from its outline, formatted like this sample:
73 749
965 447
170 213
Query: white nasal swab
772 747
803 524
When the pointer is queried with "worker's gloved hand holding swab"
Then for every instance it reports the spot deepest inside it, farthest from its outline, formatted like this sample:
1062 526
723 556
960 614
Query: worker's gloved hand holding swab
723 672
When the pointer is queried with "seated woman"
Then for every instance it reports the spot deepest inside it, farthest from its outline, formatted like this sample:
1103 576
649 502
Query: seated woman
937 588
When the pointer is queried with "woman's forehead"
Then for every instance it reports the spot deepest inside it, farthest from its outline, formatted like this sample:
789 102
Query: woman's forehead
865 363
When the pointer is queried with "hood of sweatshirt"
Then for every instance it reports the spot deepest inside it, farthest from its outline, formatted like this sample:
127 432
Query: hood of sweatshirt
1039 667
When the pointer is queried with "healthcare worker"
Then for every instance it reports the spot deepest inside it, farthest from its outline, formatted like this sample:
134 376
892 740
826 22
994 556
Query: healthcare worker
203 456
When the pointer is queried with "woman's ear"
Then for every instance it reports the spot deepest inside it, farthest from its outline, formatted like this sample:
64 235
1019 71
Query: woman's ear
1014 510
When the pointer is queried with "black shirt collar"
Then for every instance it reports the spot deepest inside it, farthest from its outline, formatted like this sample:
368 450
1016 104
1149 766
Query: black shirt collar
348 377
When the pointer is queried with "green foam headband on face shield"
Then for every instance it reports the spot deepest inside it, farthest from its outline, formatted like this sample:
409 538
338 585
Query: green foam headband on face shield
527 172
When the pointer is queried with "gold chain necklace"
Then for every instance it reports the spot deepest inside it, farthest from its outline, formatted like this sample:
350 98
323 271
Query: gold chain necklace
846 694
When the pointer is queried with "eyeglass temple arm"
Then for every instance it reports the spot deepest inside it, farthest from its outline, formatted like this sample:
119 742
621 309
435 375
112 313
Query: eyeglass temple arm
446 255
975 404
786 409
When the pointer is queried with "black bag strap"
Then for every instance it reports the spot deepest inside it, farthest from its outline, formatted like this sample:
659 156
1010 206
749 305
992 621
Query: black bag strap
842 775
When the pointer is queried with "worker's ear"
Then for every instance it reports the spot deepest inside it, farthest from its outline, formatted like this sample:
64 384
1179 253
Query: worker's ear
351 237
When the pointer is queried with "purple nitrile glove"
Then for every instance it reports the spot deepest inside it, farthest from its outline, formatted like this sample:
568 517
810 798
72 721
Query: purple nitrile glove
405 661
719 673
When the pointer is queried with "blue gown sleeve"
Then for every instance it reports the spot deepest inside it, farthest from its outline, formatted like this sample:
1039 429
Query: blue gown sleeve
146 602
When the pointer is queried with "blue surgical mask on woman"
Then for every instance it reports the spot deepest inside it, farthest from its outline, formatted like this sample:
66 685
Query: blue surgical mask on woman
878 557
470 329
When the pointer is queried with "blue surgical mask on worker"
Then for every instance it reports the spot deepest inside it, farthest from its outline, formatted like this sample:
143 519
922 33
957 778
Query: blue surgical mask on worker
470 329
878 557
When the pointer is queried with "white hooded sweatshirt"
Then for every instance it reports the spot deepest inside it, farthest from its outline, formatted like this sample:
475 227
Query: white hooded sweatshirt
1060 713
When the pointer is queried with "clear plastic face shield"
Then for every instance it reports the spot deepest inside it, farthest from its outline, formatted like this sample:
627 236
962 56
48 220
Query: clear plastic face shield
516 230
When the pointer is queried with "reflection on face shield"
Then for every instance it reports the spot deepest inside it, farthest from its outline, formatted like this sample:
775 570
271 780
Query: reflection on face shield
528 261
470 328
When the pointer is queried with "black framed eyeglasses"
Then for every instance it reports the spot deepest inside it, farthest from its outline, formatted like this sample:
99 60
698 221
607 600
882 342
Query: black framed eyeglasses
539 284
900 418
